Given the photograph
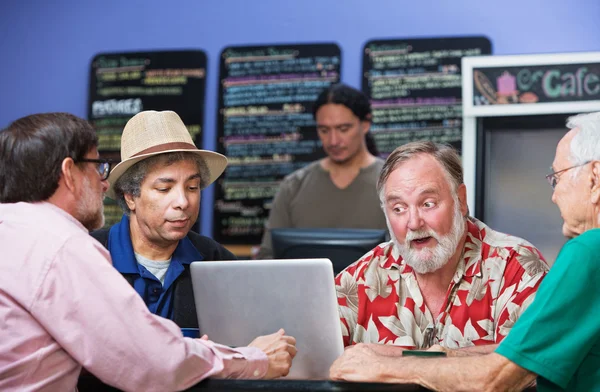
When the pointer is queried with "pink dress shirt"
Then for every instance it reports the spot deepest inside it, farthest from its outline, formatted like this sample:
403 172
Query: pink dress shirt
63 306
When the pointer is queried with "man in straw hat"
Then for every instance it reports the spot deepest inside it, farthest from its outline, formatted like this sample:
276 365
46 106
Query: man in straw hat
157 184
62 305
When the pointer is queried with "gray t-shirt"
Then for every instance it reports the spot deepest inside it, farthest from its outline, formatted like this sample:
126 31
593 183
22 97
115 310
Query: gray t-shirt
307 198
156 268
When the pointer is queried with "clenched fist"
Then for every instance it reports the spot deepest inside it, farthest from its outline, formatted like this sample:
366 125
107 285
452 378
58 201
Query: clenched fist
280 350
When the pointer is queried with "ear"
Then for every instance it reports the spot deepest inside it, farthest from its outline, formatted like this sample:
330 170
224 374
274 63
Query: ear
67 167
130 201
595 182
365 124
462 199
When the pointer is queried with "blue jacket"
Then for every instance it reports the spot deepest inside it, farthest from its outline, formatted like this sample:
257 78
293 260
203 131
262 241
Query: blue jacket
181 304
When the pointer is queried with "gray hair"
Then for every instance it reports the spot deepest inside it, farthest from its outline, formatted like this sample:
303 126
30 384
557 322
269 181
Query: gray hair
446 155
585 145
130 182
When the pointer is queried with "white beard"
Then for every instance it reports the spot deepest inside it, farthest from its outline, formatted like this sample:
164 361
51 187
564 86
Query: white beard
428 260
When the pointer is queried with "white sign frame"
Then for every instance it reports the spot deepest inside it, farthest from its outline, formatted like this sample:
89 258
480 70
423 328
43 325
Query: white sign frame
471 112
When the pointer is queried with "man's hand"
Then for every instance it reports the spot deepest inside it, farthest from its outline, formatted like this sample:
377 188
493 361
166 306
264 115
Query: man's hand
358 363
280 350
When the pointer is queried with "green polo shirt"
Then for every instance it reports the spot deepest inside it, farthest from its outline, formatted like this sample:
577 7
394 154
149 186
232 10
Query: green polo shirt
558 336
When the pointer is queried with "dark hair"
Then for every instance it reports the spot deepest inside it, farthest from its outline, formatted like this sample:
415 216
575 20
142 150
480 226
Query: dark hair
445 154
353 99
130 182
32 150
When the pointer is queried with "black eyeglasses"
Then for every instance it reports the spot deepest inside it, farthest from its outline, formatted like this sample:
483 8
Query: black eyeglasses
103 166
553 177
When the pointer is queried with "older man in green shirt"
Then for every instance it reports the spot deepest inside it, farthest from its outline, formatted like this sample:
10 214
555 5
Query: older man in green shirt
557 339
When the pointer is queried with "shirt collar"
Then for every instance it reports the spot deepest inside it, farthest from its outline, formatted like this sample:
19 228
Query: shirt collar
470 260
121 249
186 252
471 257
62 212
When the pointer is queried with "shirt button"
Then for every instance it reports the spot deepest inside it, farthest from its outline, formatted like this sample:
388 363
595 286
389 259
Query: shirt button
156 290
256 373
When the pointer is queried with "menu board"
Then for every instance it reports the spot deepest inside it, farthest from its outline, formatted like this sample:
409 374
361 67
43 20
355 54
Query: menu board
415 88
265 128
536 84
124 84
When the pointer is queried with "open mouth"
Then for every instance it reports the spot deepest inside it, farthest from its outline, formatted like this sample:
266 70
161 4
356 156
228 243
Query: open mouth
421 241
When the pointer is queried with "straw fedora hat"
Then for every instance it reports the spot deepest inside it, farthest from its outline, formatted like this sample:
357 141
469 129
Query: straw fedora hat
150 133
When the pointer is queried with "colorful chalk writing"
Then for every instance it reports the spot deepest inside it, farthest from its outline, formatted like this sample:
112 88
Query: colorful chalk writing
265 128
415 88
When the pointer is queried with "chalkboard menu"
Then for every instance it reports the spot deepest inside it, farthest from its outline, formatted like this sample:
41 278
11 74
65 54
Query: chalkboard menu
415 88
265 128
124 84
536 84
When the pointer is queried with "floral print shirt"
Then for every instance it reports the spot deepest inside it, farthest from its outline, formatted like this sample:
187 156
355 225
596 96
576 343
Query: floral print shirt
495 281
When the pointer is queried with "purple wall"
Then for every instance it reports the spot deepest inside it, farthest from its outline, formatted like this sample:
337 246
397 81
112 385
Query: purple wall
46 48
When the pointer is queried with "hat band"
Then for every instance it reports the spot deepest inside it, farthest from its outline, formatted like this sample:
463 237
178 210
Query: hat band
166 147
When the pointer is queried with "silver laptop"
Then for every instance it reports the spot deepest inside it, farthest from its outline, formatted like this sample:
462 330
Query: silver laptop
236 301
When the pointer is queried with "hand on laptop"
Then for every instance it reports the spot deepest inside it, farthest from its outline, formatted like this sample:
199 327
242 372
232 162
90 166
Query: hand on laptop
280 350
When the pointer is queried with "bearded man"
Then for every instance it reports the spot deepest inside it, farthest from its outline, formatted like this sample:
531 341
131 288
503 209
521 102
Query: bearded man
445 281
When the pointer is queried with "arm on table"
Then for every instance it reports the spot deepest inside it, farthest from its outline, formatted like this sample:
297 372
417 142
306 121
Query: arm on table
97 317
387 349
396 351
465 351
491 372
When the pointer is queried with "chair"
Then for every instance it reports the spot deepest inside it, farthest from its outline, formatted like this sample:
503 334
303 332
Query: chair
341 246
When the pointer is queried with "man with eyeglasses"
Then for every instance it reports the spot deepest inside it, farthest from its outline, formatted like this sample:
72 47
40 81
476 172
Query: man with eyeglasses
103 166
557 339
63 305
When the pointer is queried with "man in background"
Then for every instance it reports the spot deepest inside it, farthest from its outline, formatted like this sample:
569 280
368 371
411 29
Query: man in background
557 339
445 278
62 304
337 191
158 184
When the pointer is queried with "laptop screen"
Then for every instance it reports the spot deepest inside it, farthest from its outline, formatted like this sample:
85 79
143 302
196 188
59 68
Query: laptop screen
237 301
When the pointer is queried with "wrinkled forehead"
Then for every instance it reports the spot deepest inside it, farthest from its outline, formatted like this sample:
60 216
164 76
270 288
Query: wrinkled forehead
417 175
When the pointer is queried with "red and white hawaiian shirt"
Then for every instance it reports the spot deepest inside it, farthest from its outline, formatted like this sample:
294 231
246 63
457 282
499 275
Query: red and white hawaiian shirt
495 281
